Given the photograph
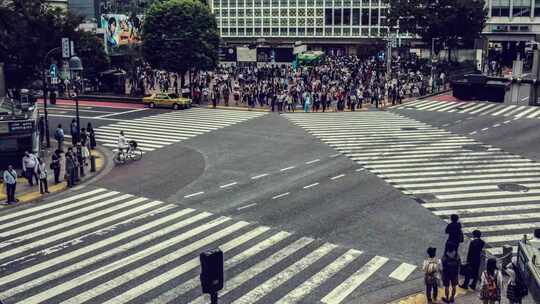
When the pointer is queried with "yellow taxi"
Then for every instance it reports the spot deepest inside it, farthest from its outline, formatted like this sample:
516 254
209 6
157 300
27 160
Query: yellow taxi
167 100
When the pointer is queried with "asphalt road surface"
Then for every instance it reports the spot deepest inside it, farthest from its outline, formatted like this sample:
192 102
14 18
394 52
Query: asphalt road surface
308 208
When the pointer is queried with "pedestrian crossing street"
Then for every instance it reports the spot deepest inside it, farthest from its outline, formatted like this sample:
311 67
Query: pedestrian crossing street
102 246
474 108
158 131
448 172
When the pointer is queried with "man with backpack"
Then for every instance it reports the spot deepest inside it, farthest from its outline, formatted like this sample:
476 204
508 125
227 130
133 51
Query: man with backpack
432 268
450 264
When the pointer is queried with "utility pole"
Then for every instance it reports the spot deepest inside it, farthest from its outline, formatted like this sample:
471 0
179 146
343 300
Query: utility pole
533 95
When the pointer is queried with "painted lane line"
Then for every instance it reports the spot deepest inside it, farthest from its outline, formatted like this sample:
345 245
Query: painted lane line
228 185
260 176
339 294
288 168
311 186
313 161
359 169
337 177
194 194
446 125
484 129
126 112
496 125
507 122
402 272
246 206
334 155
281 195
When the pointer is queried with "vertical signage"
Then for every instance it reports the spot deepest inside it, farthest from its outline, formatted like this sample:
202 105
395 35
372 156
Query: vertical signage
65 48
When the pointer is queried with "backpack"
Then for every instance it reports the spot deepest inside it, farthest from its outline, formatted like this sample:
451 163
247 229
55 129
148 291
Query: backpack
451 265
58 134
431 272
490 290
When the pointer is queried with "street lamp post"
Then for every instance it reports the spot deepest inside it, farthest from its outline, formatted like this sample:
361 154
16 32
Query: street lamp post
47 134
75 65
433 63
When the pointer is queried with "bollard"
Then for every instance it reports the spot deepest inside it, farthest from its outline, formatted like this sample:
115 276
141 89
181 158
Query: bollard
92 163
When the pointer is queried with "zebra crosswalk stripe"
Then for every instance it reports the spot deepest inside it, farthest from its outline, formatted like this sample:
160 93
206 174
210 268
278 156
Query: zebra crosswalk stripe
158 131
426 160
157 246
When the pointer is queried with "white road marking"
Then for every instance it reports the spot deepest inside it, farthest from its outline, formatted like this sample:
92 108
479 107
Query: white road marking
260 176
313 161
402 272
337 177
315 281
311 186
120 113
228 185
359 170
334 155
496 125
288 168
507 122
250 273
350 284
484 129
246 206
194 194
281 195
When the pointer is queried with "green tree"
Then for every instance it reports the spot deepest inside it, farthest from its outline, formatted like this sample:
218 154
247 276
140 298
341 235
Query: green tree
455 23
179 36
90 48
28 30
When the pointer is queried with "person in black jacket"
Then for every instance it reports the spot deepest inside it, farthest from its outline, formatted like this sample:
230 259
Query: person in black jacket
473 260
450 264
455 234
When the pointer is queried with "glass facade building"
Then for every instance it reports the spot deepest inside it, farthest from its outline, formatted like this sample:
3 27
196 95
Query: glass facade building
301 19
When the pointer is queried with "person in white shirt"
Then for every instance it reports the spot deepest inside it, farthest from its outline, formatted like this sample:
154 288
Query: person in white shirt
42 172
29 165
432 268
122 143
10 180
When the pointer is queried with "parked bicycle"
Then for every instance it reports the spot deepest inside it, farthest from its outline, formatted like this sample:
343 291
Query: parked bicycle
133 153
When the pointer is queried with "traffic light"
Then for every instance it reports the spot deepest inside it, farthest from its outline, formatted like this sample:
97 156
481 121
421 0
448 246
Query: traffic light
211 271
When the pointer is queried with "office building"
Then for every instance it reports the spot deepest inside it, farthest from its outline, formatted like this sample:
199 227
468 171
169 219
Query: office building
343 25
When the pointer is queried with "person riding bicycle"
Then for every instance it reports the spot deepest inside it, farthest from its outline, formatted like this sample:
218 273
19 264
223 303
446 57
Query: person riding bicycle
123 144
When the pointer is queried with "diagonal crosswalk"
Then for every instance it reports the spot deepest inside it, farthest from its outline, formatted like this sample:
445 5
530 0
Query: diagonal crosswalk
475 108
158 131
102 246
492 190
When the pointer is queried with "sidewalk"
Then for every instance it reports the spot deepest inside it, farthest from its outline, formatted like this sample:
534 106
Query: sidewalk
462 297
25 193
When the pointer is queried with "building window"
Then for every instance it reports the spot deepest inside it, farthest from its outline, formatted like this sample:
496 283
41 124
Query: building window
522 8
537 8
500 8
365 17
346 16
337 16
356 16
374 17
328 16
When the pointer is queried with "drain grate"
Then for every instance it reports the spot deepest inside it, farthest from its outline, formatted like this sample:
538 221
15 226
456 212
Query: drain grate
474 147
409 129
511 187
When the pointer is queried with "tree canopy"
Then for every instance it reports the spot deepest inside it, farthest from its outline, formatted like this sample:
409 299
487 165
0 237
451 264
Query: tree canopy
452 22
179 36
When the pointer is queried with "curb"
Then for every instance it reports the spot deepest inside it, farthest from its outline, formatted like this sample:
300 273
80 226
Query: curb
35 196
420 297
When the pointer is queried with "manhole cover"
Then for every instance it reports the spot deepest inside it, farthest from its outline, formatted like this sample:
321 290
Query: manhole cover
474 147
510 187
409 129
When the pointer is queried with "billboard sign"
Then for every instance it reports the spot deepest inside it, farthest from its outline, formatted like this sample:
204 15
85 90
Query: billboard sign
121 30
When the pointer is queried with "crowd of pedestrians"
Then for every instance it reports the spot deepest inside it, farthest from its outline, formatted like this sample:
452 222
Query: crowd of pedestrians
333 84
73 161
445 271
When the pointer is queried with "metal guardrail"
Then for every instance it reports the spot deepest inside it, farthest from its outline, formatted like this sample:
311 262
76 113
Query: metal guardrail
528 263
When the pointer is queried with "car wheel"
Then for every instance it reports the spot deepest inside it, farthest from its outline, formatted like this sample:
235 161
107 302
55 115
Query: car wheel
175 106
152 105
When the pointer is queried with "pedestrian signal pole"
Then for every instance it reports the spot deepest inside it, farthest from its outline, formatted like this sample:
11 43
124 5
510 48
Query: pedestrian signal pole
212 273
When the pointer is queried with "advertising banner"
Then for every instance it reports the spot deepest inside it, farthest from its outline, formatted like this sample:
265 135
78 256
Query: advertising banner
121 30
